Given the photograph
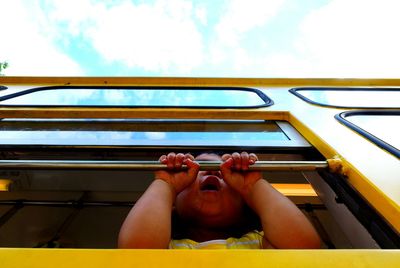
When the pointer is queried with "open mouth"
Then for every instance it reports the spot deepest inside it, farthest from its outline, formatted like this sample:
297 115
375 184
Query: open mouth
210 183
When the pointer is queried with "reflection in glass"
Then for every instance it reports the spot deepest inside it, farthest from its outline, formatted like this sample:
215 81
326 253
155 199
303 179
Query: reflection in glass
138 97
353 98
384 127
144 133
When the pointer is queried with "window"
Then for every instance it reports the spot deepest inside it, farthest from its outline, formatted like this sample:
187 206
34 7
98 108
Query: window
184 97
350 97
106 132
380 127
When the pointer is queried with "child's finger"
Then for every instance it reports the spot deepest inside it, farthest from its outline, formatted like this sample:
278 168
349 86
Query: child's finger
237 160
252 158
178 160
225 167
193 167
245 160
171 160
226 157
163 159
189 156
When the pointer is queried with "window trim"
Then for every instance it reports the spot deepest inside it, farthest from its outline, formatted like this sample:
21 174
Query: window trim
377 141
267 101
295 91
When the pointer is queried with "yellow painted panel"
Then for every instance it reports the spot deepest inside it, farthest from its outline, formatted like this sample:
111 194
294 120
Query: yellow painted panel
4 184
194 81
290 189
363 182
60 258
158 113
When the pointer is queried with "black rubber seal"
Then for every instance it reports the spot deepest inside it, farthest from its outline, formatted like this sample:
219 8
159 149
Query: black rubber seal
267 101
380 143
297 93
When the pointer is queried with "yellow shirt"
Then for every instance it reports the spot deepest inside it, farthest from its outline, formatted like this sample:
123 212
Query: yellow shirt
251 240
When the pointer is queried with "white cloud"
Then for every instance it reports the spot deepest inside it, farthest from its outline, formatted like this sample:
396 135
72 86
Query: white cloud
201 14
340 39
25 46
242 16
351 39
158 37
75 17
239 18
179 37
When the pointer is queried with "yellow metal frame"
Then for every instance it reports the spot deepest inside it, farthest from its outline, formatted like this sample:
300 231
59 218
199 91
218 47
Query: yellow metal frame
379 186
63 258
4 185
290 189
193 81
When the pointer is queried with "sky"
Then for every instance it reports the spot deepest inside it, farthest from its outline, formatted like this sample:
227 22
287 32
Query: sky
181 38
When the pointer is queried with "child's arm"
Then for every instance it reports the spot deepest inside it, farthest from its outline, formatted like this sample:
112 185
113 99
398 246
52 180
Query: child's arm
284 225
148 224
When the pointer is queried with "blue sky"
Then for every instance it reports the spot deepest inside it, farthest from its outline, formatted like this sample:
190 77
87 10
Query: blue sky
250 38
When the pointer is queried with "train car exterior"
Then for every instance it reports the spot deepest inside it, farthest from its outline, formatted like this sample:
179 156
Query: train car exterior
353 124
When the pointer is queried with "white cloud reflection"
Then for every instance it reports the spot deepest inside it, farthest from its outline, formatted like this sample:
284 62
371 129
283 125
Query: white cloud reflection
98 138
155 135
355 98
137 97
380 126
66 137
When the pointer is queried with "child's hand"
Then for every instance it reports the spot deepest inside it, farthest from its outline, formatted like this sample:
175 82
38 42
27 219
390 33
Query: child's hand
235 172
176 177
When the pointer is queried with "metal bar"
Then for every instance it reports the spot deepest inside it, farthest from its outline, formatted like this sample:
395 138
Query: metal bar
67 203
11 212
77 203
154 165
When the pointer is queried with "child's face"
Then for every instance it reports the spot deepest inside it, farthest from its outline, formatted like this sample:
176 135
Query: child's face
209 201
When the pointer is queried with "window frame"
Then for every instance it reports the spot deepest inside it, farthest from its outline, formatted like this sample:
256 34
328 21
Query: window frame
263 97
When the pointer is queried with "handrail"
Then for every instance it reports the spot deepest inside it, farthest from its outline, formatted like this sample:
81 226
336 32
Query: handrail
79 203
154 165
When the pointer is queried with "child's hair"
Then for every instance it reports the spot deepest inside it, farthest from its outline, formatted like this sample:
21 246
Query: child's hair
249 222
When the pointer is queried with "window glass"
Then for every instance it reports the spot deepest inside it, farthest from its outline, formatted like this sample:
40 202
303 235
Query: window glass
175 97
367 98
378 126
384 127
148 133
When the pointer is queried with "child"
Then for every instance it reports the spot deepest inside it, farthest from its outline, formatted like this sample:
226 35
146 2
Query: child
211 205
